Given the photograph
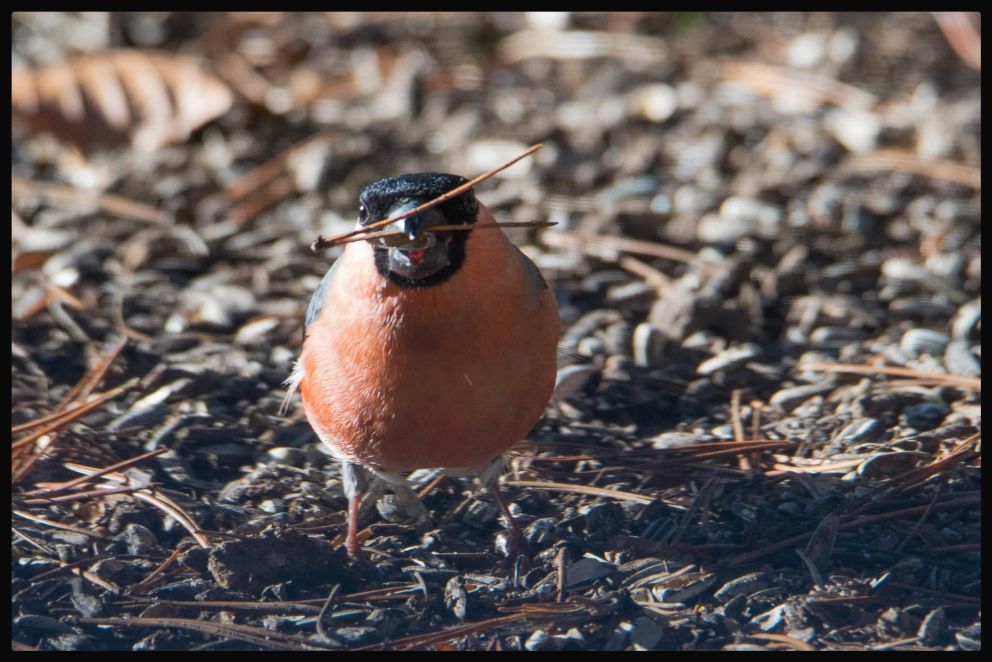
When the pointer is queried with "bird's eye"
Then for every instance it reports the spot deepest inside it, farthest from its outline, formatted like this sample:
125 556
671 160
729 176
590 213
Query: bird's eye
363 214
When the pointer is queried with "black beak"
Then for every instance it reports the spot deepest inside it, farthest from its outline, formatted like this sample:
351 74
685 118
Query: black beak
411 227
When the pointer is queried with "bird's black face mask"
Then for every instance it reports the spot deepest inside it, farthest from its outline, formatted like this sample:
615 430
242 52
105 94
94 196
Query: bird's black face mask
419 258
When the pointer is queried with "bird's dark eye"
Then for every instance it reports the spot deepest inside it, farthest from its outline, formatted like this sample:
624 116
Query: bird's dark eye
363 214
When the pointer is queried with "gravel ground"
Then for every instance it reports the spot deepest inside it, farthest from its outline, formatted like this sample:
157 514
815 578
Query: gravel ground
767 259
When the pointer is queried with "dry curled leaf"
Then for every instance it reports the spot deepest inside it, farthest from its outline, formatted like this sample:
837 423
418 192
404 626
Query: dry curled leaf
143 97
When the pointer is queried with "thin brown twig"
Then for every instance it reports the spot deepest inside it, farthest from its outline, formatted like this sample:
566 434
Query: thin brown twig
91 473
744 460
70 196
608 247
117 315
693 450
747 557
93 378
80 391
782 638
740 447
146 493
31 540
937 594
58 525
67 567
76 569
301 606
431 638
448 228
756 407
771 80
581 489
331 596
93 578
267 172
71 415
926 513
321 243
653 277
145 583
702 498
962 36
895 371
258 201
247 633
78 496
168 506
905 161
898 483
431 486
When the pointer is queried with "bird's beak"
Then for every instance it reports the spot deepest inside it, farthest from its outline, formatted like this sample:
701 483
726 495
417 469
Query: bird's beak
412 227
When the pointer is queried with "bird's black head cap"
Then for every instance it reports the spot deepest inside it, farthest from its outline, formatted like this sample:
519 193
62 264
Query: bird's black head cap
378 199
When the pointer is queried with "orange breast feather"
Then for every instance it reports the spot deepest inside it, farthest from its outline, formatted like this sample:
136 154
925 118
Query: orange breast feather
444 376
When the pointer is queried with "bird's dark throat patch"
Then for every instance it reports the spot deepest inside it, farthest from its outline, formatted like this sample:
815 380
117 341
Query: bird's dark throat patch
453 243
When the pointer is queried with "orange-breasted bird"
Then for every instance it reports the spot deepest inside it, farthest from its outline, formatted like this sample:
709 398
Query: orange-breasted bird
438 350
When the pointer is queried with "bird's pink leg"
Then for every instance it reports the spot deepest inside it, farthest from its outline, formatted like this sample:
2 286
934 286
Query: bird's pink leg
517 542
355 479
351 543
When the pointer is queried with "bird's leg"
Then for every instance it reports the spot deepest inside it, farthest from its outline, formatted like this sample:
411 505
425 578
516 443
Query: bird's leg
356 482
517 542
355 552
489 476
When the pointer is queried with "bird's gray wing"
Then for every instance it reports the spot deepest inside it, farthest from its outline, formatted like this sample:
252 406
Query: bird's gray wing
318 298
534 277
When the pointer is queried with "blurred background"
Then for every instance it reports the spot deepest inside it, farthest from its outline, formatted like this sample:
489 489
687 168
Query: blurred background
740 199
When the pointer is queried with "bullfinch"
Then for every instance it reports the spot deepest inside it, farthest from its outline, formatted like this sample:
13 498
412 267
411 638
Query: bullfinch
427 350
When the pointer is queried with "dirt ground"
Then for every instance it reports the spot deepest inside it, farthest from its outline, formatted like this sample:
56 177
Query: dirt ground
767 261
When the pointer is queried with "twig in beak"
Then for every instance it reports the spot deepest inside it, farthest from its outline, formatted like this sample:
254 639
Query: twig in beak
322 243
445 228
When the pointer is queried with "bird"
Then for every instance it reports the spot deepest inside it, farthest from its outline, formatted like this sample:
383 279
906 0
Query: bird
427 349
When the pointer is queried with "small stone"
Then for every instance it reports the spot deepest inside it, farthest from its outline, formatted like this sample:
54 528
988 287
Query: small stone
857 130
743 585
679 439
538 640
925 415
275 555
585 572
541 532
657 102
924 341
139 540
970 638
789 398
966 319
648 345
862 429
292 457
932 628
959 360
647 632
729 359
